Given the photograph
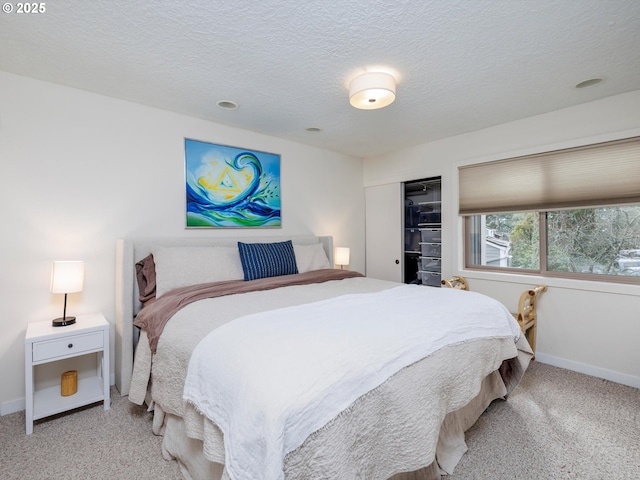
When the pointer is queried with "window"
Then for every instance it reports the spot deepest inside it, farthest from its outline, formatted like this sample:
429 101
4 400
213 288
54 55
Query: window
510 240
600 241
571 213
589 243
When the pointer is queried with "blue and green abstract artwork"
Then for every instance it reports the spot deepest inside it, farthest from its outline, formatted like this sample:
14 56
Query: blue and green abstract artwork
231 187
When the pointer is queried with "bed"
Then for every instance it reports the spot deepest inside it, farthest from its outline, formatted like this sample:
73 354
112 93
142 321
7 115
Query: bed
400 421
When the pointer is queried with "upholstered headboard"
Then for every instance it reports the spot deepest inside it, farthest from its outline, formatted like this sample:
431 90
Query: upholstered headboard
130 251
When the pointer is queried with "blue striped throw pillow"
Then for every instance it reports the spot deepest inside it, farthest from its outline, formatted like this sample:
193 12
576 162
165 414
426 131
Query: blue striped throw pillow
261 260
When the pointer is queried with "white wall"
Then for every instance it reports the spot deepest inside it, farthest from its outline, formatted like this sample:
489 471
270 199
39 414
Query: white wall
79 170
592 327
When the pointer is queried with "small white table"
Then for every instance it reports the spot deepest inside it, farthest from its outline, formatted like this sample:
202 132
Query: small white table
45 343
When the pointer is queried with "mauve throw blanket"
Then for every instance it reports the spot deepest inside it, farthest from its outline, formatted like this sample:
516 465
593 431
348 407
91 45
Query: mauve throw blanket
153 317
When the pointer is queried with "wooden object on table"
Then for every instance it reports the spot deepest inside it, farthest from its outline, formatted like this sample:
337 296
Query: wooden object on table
69 383
527 315
457 282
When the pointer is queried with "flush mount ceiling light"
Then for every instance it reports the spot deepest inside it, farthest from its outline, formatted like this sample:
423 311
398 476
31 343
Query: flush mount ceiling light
372 90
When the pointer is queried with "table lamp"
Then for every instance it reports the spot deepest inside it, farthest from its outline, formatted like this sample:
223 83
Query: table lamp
342 256
66 277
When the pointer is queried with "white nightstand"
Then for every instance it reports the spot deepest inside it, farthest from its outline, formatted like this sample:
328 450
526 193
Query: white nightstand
45 343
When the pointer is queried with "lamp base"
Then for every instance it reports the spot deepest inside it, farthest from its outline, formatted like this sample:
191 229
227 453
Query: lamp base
63 322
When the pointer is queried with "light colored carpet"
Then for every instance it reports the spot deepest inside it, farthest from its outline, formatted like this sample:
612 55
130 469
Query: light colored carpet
556 425
87 443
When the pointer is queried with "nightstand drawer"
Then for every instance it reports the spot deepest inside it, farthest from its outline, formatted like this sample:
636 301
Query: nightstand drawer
67 346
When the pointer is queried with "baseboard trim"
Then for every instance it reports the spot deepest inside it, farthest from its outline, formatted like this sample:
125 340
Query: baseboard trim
622 378
12 406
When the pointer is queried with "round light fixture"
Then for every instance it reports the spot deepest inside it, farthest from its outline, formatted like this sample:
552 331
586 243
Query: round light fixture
372 90
313 129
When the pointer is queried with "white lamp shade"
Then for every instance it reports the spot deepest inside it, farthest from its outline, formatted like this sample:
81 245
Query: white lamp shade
372 90
67 276
342 255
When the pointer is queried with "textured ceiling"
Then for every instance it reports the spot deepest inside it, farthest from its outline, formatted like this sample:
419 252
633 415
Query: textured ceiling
461 65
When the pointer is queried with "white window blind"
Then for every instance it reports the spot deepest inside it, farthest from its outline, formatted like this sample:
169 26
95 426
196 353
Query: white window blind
590 176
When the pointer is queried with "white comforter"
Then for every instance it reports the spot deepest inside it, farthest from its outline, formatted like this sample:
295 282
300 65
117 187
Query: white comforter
317 353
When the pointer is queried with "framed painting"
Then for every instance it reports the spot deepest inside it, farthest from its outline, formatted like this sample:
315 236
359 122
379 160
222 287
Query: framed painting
231 187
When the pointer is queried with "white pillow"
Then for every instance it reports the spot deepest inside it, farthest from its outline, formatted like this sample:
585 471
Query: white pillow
310 257
183 266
